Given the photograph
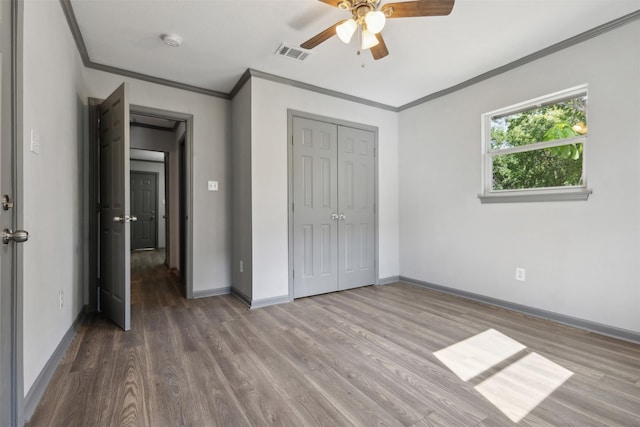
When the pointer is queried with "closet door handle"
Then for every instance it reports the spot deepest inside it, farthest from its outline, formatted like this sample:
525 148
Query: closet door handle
18 236
341 217
334 216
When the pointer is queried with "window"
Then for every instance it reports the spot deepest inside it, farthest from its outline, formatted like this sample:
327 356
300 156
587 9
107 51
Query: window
534 151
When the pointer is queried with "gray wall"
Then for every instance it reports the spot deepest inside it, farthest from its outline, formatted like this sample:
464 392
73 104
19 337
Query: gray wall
55 184
241 200
581 258
145 166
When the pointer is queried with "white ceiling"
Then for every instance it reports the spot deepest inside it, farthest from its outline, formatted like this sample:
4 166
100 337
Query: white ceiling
222 38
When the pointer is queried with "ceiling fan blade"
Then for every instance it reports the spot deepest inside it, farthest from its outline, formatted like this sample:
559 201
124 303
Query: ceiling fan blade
409 9
320 37
380 50
333 3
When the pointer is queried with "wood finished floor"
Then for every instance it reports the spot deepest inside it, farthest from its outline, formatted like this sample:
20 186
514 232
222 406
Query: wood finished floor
362 357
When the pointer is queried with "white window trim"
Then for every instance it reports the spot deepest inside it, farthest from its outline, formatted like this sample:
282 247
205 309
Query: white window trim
547 194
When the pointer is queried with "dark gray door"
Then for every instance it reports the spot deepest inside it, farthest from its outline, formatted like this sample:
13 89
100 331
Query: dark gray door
115 228
10 311
356 204
144 196
315 201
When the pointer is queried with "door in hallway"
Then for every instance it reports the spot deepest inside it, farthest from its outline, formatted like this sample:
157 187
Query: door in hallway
115 227
144 196
333 183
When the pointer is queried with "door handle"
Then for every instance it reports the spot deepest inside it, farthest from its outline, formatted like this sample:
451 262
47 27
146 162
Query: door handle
18 236
341 217
125 219
334 216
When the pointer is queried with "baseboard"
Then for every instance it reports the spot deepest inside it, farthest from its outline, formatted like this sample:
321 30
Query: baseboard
270 301
241 296
575 322
32 399
212 292
388 280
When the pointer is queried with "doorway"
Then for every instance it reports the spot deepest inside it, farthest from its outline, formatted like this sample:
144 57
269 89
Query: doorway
149 119
149 199
332 217
144 207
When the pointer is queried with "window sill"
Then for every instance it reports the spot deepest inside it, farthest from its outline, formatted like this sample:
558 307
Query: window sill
581 194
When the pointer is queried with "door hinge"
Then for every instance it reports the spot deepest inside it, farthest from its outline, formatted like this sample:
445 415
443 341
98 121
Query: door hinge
292 207
293 274
98 207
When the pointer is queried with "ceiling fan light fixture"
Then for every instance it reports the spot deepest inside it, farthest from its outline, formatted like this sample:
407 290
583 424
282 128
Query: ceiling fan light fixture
346 29
369 40
375 21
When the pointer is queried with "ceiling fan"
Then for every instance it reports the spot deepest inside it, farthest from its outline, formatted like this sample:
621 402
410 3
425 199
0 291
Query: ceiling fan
370 17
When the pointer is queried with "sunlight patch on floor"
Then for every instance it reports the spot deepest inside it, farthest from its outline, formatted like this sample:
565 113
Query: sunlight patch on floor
471 357
515 390
523 385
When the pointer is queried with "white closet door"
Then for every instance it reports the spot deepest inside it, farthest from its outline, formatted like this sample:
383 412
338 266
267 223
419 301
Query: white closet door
356 204
315 258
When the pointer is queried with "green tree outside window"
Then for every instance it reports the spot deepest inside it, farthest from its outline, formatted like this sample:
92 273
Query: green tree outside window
557 166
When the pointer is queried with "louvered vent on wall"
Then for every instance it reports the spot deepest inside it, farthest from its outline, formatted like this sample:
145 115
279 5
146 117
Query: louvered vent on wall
295 53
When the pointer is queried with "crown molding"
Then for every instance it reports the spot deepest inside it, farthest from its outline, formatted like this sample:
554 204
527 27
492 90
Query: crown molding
572 41
250 73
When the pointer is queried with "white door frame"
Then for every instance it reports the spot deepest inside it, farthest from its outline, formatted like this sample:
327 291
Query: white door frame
338 122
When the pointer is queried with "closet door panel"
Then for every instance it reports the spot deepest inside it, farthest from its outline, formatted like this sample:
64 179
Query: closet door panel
356 206
315 257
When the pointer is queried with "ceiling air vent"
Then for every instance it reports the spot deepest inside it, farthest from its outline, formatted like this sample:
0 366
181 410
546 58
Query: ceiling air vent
295 53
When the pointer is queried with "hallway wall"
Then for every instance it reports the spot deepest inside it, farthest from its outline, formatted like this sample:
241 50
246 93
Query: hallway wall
54 106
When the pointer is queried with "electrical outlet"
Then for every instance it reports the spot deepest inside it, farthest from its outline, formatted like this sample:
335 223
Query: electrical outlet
241 267
520 274
61 299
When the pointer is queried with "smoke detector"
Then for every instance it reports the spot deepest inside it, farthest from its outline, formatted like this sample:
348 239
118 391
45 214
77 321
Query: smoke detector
172 40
